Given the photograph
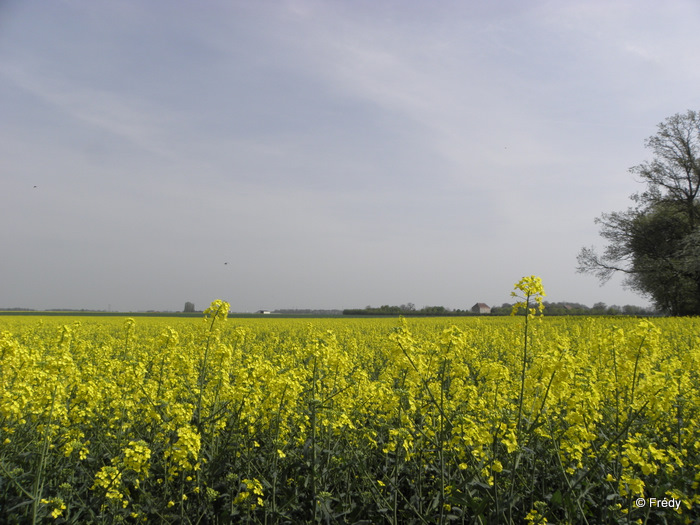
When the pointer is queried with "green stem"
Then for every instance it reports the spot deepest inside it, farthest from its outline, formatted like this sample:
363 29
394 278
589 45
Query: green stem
634 373
313 441
203 371
520 409
524 367
39 482
275 456
441 454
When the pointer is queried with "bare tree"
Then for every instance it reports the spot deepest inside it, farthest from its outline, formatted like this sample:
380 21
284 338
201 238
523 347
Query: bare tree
656 243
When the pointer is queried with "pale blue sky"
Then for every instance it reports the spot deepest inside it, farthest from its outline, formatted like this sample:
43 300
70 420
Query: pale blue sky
335 154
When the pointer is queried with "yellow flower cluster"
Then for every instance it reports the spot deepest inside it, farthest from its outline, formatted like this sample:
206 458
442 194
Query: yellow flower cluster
531 288
57 506
110 479
250 487
184 452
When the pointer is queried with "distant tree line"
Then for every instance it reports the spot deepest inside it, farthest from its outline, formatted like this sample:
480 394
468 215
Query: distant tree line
404 309
564 308
561 308
306 311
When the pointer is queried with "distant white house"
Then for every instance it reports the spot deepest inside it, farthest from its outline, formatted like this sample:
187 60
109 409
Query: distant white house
263 312
481 308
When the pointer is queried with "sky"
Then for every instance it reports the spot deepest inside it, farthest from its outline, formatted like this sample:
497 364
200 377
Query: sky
324 154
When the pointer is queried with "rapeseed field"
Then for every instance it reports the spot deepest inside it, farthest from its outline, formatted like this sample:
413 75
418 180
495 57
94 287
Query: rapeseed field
526 419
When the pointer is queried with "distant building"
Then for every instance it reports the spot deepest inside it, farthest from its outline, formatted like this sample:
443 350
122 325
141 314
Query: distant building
481 308
263 312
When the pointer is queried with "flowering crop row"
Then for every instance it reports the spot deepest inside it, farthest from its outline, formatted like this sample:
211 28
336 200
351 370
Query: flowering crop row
342 420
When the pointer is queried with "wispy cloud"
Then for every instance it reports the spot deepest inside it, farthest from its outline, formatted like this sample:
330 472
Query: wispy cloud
106 111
